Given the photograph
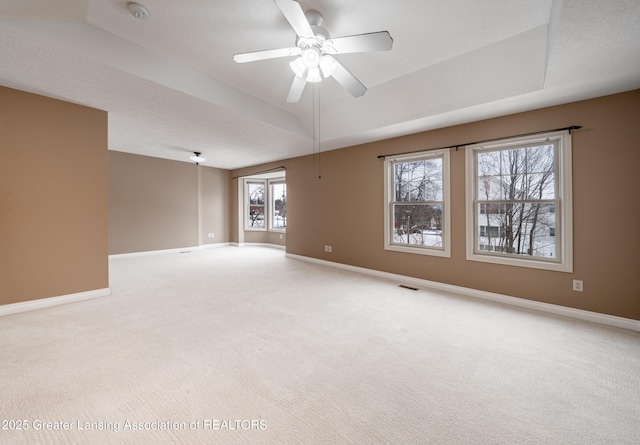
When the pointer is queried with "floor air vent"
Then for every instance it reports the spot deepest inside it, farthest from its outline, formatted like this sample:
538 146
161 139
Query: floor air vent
404 286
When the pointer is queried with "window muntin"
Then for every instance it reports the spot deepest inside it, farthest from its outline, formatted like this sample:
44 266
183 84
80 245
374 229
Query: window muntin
514 189
417 210
278 205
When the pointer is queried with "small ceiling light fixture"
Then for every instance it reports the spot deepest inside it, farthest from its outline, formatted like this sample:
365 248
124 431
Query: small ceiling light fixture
197 158
138 11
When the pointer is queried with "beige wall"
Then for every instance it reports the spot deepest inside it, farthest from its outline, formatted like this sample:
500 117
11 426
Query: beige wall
214 204
56 174
157 204
345 208
53 197
265 236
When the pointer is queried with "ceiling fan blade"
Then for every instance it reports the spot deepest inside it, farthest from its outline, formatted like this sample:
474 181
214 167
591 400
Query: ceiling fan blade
361 43
297 87
348 81
292 11
267 54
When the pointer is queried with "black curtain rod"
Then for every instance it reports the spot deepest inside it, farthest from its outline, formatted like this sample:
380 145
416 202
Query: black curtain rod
573 127
282 167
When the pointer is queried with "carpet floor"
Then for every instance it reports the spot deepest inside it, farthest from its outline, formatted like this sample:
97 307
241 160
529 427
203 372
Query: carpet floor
245 346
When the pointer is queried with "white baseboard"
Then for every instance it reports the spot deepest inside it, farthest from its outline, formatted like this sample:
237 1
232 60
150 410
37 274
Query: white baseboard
610 320
42 303
272 246
119 256
212 246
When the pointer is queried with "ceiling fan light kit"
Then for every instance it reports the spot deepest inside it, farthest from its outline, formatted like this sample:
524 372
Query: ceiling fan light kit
314 51
197 158
297 66
311 57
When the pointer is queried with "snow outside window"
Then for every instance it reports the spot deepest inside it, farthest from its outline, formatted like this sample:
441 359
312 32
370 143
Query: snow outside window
255 215
265 204
417 203
519 202
277 205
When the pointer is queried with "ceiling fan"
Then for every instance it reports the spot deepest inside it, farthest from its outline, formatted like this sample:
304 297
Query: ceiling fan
315 48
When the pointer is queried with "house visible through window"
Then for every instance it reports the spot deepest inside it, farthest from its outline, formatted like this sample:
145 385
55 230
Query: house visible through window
417 209
514 189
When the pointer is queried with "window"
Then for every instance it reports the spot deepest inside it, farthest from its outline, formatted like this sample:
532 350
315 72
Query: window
277 205
255 205
417 203
519 202
265 204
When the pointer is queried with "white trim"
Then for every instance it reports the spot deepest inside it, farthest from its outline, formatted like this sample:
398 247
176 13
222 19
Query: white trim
595 317
119 256
270 196
564 213
42 303
270 245
247 204
213 245
445 251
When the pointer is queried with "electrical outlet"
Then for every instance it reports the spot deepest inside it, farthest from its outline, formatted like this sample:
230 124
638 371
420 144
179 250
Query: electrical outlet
328 248
281 236
578 285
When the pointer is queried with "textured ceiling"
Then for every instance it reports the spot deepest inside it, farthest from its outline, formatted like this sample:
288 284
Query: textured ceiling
171 87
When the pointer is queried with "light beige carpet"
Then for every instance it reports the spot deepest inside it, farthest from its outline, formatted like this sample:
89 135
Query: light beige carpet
244 346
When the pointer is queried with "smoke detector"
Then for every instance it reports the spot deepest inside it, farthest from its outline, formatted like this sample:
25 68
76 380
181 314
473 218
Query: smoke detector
138 11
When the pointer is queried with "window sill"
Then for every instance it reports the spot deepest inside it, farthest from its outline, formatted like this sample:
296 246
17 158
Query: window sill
443 253
521 262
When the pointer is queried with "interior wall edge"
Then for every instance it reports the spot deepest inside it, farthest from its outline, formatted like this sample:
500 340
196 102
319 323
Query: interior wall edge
42 303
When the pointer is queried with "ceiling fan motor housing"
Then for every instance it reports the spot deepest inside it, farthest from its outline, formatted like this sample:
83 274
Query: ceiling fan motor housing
319 31
314 17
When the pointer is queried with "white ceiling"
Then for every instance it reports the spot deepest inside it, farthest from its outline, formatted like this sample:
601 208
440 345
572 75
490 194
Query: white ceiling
171 87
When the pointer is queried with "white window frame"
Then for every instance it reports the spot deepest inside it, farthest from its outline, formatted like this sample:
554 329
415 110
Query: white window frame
389 177
564 208
271 197
247 204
